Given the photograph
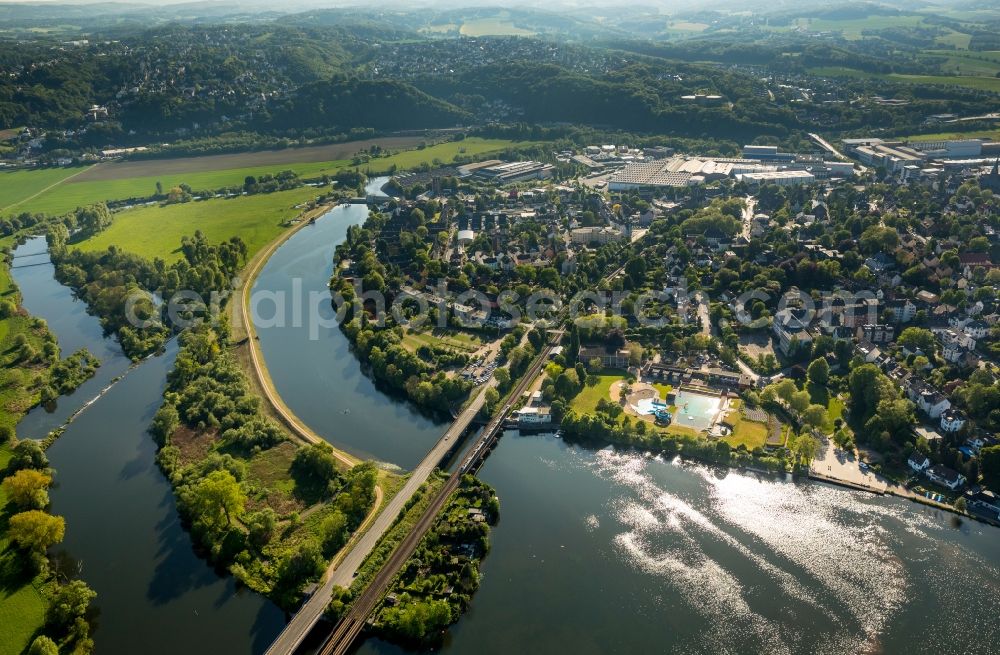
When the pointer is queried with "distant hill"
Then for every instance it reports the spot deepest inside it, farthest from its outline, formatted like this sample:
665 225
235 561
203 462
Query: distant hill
380 104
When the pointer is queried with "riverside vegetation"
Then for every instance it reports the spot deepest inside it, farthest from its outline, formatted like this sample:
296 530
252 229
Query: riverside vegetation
39 604
269 510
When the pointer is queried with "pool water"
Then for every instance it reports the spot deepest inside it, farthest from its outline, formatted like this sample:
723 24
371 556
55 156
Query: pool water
646 406
696 410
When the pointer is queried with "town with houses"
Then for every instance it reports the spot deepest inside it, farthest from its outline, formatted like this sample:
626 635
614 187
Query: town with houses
855 270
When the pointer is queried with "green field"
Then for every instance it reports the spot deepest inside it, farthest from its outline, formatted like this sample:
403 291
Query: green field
747 433
18 186
493 27
22 608
968 81
852 28
156 231
984 64
455 339
586 401
951 37
69 195
944 136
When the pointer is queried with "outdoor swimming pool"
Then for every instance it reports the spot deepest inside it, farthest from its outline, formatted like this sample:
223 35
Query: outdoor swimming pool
695 410
646 406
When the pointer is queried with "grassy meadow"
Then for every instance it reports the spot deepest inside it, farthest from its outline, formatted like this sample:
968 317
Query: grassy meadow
22 606
156 231
20 190
967 81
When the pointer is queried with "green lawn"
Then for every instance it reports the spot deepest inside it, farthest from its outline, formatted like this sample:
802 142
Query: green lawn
748 433
586 401
456 339
979 83
157 231
22 607
68 196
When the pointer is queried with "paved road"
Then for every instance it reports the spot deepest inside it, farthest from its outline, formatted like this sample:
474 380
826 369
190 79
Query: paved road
748 213
703 315
343 572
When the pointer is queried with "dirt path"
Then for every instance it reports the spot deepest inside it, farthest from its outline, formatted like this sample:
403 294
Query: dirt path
243 329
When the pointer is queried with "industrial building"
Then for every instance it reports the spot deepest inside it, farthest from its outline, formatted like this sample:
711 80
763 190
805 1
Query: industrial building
517 171
781 178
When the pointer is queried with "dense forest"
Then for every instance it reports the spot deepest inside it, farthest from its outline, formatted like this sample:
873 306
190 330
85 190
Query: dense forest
329 74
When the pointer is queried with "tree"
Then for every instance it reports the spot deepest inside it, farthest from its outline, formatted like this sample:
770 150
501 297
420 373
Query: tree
303 563
502 376
42 645
315 464
94 218
69 603
915 338
334 532
490 399
989 463
799 401
28 454
261 525
215 497
819 371
28 488
806 448
35 530
814 415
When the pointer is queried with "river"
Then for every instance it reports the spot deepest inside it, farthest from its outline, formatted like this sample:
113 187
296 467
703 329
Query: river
610 552
68 319
313 370
596 550
154 594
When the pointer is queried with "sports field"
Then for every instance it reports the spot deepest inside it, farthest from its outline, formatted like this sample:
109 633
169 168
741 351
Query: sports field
122 180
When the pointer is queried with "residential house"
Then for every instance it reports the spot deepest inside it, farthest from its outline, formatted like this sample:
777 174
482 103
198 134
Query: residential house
790 328
876 333
952 420
946 477
918 462
930 401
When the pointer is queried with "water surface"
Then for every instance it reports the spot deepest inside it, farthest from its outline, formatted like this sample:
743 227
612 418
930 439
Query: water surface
67 316
123 534
604 552
313 368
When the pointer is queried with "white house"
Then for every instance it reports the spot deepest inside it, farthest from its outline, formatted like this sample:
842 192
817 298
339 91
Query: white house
952 420
945 476
977 329
533 415
930 401
918 462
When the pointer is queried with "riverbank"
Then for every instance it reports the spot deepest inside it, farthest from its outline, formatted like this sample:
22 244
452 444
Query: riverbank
29 367
244 337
